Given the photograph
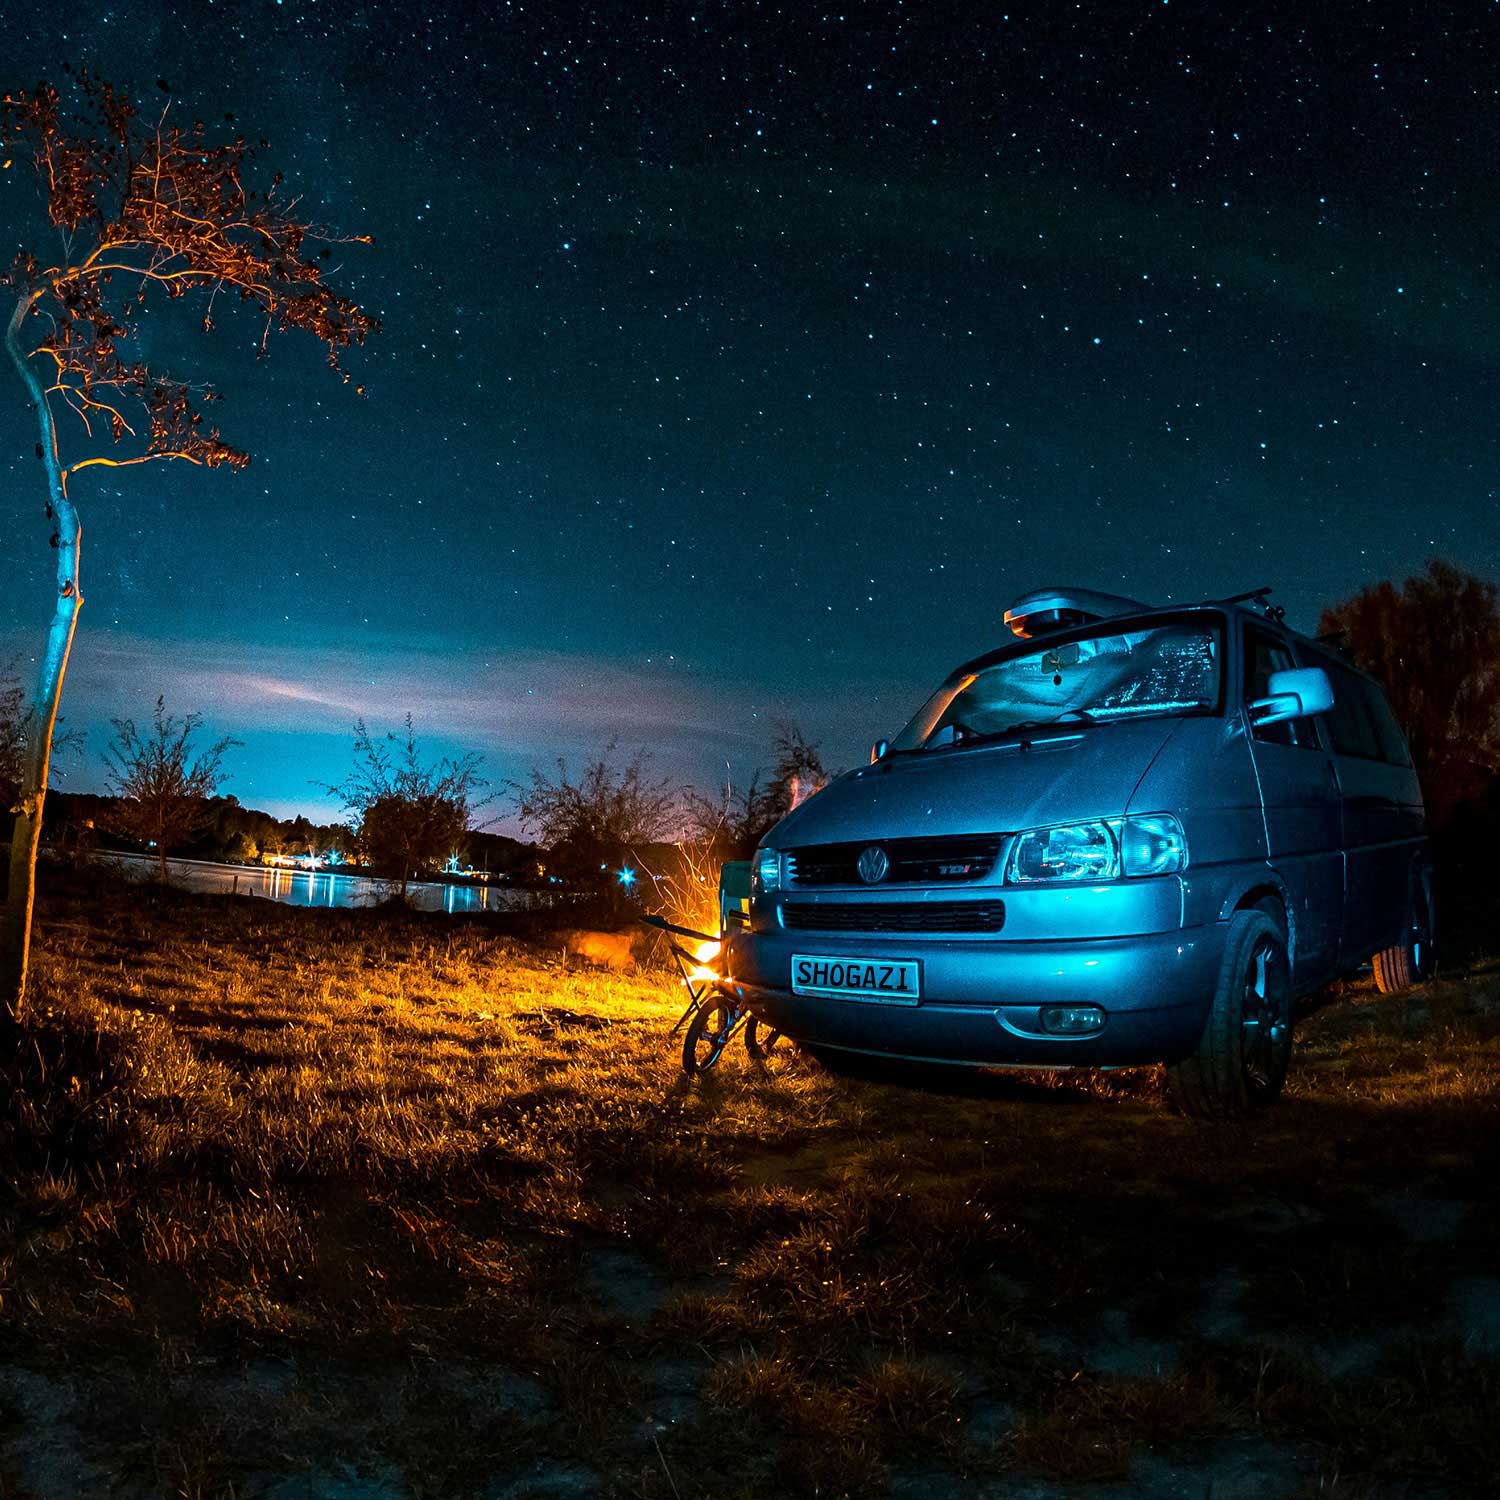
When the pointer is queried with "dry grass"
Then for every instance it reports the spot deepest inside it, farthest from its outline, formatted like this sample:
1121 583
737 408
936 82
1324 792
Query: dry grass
286 1189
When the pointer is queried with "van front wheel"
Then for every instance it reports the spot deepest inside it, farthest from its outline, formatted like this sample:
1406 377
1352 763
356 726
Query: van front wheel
1241 1060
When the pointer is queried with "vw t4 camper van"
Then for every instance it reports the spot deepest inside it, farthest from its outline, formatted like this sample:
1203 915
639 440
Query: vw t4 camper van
1129 835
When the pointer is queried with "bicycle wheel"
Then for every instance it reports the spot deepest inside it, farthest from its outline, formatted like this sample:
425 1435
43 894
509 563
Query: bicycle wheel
707 1035
765 1044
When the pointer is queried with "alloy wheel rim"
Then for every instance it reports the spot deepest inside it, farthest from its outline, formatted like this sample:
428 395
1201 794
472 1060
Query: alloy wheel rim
1263 1015
1422 946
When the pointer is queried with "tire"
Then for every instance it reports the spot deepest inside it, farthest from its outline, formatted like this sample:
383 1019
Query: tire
1407 963
765 1044
1241 1060
707 1035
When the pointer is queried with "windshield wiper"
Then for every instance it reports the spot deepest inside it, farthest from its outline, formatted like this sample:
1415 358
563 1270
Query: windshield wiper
1080 715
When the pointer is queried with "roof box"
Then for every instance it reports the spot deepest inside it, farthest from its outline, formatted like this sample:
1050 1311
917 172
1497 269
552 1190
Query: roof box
1045 610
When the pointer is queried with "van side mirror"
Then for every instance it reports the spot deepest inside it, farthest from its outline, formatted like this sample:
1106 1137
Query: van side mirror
878 750
1296 693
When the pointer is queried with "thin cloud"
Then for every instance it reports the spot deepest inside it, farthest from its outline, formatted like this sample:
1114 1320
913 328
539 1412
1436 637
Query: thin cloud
524 709
541 700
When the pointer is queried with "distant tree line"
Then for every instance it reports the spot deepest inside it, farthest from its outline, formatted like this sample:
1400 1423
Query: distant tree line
409 818
228 832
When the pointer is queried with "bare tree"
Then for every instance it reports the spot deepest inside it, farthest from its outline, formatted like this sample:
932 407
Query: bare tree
592 824
412 813
1434 642
729 825
799 772
130 210
733 823
162 786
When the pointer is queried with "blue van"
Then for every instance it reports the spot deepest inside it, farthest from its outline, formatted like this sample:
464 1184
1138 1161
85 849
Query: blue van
1129 835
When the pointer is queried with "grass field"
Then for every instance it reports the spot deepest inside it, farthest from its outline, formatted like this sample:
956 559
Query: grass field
301 1203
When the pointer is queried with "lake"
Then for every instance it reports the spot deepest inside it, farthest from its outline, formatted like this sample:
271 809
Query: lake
326 887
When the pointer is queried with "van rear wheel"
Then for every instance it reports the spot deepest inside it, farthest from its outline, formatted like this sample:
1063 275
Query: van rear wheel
1407 963
1241 1059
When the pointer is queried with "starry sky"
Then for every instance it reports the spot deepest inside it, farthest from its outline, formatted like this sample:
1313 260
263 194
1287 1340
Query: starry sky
741 362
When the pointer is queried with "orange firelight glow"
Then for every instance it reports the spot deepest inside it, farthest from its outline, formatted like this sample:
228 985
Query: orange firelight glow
704 952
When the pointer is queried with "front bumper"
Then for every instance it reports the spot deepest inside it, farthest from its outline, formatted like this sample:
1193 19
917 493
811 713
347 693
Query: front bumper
981 998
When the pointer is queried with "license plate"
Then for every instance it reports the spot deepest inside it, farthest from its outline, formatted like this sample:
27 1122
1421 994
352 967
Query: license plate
888 981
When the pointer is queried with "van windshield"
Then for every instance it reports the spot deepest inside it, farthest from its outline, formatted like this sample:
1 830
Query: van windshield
1166 668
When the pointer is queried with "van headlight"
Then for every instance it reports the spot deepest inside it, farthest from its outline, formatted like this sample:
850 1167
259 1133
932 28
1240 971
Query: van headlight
1070 851
766 871
1153 844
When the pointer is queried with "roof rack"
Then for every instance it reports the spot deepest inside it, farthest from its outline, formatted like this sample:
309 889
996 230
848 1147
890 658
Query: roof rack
1260 596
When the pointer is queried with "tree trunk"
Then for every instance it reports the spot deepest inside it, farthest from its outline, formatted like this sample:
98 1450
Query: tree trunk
20 900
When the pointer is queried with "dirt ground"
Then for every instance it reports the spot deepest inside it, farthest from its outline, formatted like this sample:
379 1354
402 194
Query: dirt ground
343 1204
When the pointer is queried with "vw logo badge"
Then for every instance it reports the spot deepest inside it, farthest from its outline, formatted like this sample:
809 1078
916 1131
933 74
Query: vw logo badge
874 865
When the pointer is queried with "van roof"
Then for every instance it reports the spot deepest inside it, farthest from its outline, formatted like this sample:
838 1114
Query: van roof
1046 611
1065 611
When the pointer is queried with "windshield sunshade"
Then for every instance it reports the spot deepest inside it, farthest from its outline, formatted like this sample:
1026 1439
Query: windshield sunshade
1168 668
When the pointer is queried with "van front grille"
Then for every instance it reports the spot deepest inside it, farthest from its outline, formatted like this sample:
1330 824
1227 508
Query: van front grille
894 916
921 861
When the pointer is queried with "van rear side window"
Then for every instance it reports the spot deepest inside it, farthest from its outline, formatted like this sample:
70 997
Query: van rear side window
1361 722
1393 746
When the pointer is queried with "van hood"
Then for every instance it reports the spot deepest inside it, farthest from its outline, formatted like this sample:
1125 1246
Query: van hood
1067 776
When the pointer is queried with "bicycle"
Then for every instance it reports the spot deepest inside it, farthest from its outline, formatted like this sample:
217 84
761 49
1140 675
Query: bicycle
716 1006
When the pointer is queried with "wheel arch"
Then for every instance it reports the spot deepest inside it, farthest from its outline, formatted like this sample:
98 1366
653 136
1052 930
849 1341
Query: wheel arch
1267 890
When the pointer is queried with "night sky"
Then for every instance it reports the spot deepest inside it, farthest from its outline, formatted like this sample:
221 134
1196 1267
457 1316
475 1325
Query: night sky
741 362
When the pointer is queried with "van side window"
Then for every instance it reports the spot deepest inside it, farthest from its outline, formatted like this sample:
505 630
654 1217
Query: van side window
1350 726
1264 654
1387 731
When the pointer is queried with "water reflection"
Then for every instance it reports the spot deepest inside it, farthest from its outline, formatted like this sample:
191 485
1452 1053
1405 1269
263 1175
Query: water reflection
323 887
